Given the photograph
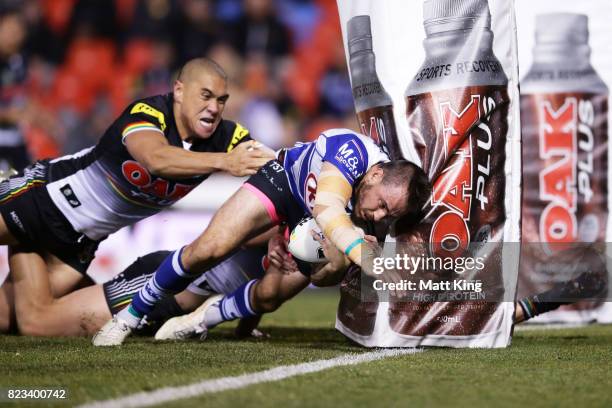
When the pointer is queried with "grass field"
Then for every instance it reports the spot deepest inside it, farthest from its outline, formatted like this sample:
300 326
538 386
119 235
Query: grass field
569 367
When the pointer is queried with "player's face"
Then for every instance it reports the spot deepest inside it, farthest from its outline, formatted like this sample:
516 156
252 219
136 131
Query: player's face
377 201
202 100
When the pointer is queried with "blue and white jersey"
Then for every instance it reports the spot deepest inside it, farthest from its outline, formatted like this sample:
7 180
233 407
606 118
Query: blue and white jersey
353 154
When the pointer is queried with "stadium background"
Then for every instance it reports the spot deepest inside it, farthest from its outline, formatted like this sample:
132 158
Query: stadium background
88 59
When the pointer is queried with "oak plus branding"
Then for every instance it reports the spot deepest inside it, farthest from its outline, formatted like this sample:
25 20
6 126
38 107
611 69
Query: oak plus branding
373 104
456 188
564 109
453 113
565 135
151 188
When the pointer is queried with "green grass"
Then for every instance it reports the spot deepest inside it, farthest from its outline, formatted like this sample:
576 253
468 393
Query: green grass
570 367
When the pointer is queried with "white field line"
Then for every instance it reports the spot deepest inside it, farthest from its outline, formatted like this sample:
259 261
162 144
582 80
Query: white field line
166 394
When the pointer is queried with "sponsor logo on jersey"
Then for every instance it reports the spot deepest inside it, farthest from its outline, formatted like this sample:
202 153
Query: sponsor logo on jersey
142 107
239 134
310 190
350 156
151 188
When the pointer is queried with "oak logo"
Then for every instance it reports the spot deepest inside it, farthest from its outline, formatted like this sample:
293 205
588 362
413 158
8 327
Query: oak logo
453 188
159 190
558 150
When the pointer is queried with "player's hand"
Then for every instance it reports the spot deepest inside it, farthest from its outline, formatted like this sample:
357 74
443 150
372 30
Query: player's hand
336 258
278 254
370 238
246 158
369 250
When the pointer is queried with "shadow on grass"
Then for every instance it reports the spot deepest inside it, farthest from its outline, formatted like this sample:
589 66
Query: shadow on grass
315 338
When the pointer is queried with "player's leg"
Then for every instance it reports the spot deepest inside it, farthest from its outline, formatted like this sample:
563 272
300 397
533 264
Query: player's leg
6 237
275 289
35 302
251 299
590 284
84 311
7 308
243 216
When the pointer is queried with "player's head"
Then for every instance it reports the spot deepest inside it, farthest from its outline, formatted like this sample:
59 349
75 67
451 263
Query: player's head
200 94
391 190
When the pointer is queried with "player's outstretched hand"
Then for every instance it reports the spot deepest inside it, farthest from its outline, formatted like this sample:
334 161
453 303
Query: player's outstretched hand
337 260
368 252
279 255
246 158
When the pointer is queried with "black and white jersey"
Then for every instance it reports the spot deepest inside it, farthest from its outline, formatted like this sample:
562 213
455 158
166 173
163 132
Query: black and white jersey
103 188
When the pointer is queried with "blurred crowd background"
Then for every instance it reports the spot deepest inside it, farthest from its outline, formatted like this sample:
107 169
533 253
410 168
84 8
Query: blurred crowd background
69 67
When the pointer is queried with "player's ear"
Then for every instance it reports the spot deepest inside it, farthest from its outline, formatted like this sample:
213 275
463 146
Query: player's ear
376 174
178 91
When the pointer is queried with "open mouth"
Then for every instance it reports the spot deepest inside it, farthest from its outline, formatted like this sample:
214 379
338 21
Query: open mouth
207 123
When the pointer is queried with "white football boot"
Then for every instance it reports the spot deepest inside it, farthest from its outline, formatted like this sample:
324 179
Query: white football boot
113 333
189 325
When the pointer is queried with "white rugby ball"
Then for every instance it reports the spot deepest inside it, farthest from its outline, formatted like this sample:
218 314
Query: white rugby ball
302 245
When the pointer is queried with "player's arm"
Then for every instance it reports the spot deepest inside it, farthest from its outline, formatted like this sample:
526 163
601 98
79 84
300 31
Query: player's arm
151 149
333 194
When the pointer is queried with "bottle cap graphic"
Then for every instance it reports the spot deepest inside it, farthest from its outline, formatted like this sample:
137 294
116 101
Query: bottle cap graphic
448 15
359 34
562 28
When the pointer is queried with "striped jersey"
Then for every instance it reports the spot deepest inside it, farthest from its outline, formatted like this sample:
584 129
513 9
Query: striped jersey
353 154
103 188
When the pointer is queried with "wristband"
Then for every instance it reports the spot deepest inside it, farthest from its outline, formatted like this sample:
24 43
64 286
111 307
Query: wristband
356 242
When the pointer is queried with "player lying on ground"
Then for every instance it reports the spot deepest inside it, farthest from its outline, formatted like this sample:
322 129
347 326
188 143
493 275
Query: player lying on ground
55 214
340 171
84 311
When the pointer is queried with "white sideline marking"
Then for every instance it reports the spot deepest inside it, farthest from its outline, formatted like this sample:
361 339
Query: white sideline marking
145 399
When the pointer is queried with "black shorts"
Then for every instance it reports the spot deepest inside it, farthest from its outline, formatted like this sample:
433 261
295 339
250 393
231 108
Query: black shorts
271 185
38 225
16 157
119 291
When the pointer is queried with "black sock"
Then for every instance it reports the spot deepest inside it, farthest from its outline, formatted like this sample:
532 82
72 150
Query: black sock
164 310
585 287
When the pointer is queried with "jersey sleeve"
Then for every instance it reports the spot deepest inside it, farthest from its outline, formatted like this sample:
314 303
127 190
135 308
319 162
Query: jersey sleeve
141 116
237 134
348 154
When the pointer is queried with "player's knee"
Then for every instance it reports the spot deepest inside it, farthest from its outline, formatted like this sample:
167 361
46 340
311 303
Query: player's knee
31 322
203 252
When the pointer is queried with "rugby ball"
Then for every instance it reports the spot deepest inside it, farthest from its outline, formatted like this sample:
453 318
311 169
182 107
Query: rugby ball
302 245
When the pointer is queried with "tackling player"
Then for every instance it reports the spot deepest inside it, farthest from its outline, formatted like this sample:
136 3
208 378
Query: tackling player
84 311
340 173
55 214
